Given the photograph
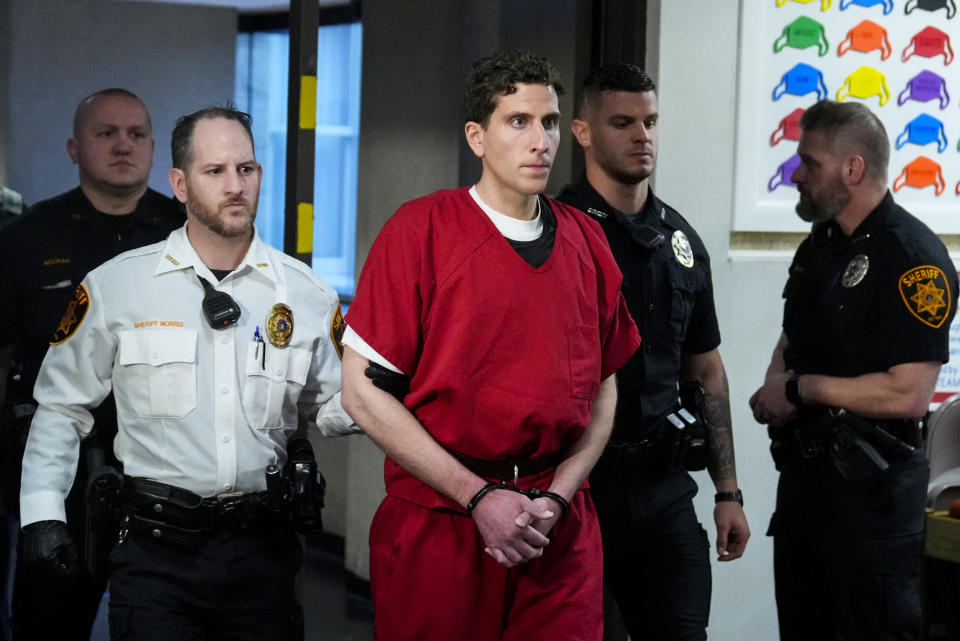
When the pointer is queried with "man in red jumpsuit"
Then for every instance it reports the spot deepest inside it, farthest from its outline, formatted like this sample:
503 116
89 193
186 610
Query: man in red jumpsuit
494 314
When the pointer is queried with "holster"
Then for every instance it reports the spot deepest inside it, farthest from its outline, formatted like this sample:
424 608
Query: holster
307 487
104 499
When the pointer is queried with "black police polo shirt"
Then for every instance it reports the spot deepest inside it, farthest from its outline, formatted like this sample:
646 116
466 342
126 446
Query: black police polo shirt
672 304
46 253
883 296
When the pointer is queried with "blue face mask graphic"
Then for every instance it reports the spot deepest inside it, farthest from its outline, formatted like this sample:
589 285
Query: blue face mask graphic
923 130
801 80
931 5
887 4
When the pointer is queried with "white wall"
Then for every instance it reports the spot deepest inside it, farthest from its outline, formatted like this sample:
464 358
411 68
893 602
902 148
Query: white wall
176 58
693 57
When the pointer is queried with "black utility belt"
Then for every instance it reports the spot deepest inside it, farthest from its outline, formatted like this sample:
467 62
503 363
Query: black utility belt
511 469
151 504
676 442
860 449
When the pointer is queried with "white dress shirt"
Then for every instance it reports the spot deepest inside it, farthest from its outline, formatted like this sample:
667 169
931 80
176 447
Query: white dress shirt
202 409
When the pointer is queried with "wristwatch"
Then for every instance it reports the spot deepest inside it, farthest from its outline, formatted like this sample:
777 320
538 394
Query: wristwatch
729 496
792 390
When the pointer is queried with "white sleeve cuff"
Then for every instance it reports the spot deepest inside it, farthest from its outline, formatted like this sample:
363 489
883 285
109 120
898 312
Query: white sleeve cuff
46 505
361 347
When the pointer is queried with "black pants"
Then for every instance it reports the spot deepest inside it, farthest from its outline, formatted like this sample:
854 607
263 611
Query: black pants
231 586
656 558
847 555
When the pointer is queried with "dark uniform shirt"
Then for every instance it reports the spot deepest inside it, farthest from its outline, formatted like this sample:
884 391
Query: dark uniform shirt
883 296
669 292
43 257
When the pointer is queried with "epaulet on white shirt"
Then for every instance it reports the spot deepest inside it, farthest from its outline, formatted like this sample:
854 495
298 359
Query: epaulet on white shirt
304 270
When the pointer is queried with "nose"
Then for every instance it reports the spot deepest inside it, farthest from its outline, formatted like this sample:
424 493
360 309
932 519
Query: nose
797 176
123 145
235 183
539 138
641 134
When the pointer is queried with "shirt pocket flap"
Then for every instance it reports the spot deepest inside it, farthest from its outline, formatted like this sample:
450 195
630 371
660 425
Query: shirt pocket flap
157 346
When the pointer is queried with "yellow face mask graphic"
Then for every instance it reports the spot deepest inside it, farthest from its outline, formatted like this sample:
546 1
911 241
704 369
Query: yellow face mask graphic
865 82
824 4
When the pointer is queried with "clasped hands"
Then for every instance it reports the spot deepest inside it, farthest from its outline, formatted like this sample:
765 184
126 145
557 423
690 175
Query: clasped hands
514 527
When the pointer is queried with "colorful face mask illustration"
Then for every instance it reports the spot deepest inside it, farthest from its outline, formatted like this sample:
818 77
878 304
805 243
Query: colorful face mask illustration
921 172
784 171
923 130
923 87
866 37
929 42
824 4
788 128
865 82
802 33
887 4
931 5
801 80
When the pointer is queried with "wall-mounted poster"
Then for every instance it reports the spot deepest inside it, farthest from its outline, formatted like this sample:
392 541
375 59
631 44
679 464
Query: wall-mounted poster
895 56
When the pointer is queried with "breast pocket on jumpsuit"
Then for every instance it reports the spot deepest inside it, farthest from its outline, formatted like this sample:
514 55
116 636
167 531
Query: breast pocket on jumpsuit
160 371
272 383
685 284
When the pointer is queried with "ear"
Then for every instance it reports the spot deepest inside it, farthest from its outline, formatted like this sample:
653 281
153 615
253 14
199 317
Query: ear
178 182
581 131
72 150
474 133
854 170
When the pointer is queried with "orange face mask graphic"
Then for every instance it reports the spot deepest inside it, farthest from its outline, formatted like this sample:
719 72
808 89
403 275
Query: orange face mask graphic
921 172
866 37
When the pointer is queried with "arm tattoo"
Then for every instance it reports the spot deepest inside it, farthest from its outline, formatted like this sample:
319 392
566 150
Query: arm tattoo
721 461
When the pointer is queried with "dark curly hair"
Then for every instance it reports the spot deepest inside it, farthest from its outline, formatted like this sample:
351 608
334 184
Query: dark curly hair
182 136
498 75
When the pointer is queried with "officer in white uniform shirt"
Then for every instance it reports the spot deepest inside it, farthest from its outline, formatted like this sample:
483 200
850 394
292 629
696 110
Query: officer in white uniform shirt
206 400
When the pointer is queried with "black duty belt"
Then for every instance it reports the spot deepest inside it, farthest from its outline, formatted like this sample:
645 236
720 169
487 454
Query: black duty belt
511 469
162 511
806 438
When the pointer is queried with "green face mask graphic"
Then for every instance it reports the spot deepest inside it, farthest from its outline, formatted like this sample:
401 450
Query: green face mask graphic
802 33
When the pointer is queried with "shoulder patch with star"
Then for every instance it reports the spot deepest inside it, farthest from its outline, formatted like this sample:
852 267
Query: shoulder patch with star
926 294
73 316
337 327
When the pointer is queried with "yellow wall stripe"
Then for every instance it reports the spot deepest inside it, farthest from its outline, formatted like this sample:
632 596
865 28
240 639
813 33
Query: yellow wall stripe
308 102
304 228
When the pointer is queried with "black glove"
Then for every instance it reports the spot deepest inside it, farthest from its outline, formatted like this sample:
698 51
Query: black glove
49 553
393 383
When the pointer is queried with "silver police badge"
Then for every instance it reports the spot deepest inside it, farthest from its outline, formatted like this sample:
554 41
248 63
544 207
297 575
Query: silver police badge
681 248
856 270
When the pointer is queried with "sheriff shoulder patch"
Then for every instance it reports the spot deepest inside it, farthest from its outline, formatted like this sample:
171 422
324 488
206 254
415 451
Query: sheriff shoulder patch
73 316
926 294
337 327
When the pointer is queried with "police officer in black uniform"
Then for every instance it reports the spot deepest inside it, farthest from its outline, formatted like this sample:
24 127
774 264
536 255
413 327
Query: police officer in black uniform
656 554
43 257
867 313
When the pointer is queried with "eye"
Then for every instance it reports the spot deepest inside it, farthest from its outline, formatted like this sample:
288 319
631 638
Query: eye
246 170
650 123
551 122
215 171
519 121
